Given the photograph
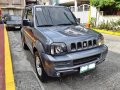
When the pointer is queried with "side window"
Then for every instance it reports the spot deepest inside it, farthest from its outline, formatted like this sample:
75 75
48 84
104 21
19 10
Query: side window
24 14
29 14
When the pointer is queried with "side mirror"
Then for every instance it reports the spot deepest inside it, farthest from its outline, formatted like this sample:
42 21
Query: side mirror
78 20
27 22
30 23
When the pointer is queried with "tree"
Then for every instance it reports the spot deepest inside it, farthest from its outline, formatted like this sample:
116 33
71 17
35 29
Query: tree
106 3
118 4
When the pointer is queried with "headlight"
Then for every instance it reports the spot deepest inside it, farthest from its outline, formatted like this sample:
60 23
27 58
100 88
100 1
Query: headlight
101 40
58 48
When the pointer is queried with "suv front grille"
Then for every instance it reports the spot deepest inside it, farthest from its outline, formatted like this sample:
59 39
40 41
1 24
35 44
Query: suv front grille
86 59
83 45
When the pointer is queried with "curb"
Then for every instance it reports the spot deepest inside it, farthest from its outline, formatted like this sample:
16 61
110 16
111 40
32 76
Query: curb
2 58
9 77
107 32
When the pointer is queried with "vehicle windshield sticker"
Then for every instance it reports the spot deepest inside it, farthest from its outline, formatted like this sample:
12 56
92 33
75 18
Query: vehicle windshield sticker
39 9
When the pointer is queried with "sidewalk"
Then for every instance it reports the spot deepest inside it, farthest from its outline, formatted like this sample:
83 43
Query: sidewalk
2 63
6 71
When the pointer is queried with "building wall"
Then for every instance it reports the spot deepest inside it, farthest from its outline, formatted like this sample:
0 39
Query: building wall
83 16
45 2
12 7
41 2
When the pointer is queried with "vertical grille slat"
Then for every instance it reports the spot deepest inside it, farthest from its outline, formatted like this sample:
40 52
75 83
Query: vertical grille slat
83 45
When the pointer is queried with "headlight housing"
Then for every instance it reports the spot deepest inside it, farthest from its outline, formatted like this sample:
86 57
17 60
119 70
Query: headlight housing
58 48
101 40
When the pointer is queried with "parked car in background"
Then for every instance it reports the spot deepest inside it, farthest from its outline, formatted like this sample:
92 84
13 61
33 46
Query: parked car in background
13 22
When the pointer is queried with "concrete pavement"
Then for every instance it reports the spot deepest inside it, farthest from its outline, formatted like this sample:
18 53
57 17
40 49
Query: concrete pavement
24 72
104 77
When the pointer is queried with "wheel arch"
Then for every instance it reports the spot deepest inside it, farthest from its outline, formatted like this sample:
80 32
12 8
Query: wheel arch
37 46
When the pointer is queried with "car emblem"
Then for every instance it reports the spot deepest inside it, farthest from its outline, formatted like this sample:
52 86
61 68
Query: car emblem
84 44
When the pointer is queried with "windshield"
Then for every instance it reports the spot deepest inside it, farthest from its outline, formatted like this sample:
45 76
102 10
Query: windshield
54 16
16 18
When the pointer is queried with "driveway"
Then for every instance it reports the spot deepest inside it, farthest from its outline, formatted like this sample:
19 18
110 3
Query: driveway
106 76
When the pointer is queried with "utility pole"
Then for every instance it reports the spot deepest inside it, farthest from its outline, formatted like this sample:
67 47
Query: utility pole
75 5
89 16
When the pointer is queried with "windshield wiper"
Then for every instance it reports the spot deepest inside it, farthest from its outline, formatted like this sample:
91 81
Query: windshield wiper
67 24
64 24
45 25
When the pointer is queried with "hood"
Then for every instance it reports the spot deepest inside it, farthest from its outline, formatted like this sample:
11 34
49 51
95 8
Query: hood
65 33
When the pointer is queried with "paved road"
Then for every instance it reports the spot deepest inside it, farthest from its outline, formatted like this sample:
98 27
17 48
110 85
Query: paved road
105 77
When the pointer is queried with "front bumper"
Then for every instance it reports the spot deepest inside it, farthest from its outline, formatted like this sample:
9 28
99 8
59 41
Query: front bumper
99 54
15 26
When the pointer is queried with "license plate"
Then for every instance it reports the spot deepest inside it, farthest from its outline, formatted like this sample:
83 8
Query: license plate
86 68
17 26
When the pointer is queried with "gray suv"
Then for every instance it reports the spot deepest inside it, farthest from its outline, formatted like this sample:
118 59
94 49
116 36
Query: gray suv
59 43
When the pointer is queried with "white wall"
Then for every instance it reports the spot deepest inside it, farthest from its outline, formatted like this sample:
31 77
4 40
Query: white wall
108 18
93 12
100 18
83 15
65 1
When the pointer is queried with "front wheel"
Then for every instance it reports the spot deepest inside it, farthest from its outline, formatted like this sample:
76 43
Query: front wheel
39 68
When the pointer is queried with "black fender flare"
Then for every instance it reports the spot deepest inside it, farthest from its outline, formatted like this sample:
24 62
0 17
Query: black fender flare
38 46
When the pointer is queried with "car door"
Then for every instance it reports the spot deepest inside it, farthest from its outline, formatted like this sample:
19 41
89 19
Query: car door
29 36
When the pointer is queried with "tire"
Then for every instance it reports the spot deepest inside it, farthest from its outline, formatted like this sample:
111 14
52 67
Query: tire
25 47
39 69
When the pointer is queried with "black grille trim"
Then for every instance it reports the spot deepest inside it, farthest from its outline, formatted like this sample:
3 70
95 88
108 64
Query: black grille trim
86 59
83 45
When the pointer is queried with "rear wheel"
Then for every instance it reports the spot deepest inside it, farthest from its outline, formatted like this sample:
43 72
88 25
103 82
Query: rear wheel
39 68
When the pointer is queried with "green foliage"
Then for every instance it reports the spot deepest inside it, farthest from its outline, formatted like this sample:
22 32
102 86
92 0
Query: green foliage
117 4
105 3
114 26
96 3
93 22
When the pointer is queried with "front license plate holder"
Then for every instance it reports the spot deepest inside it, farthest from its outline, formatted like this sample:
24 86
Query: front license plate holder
87 67
17 27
